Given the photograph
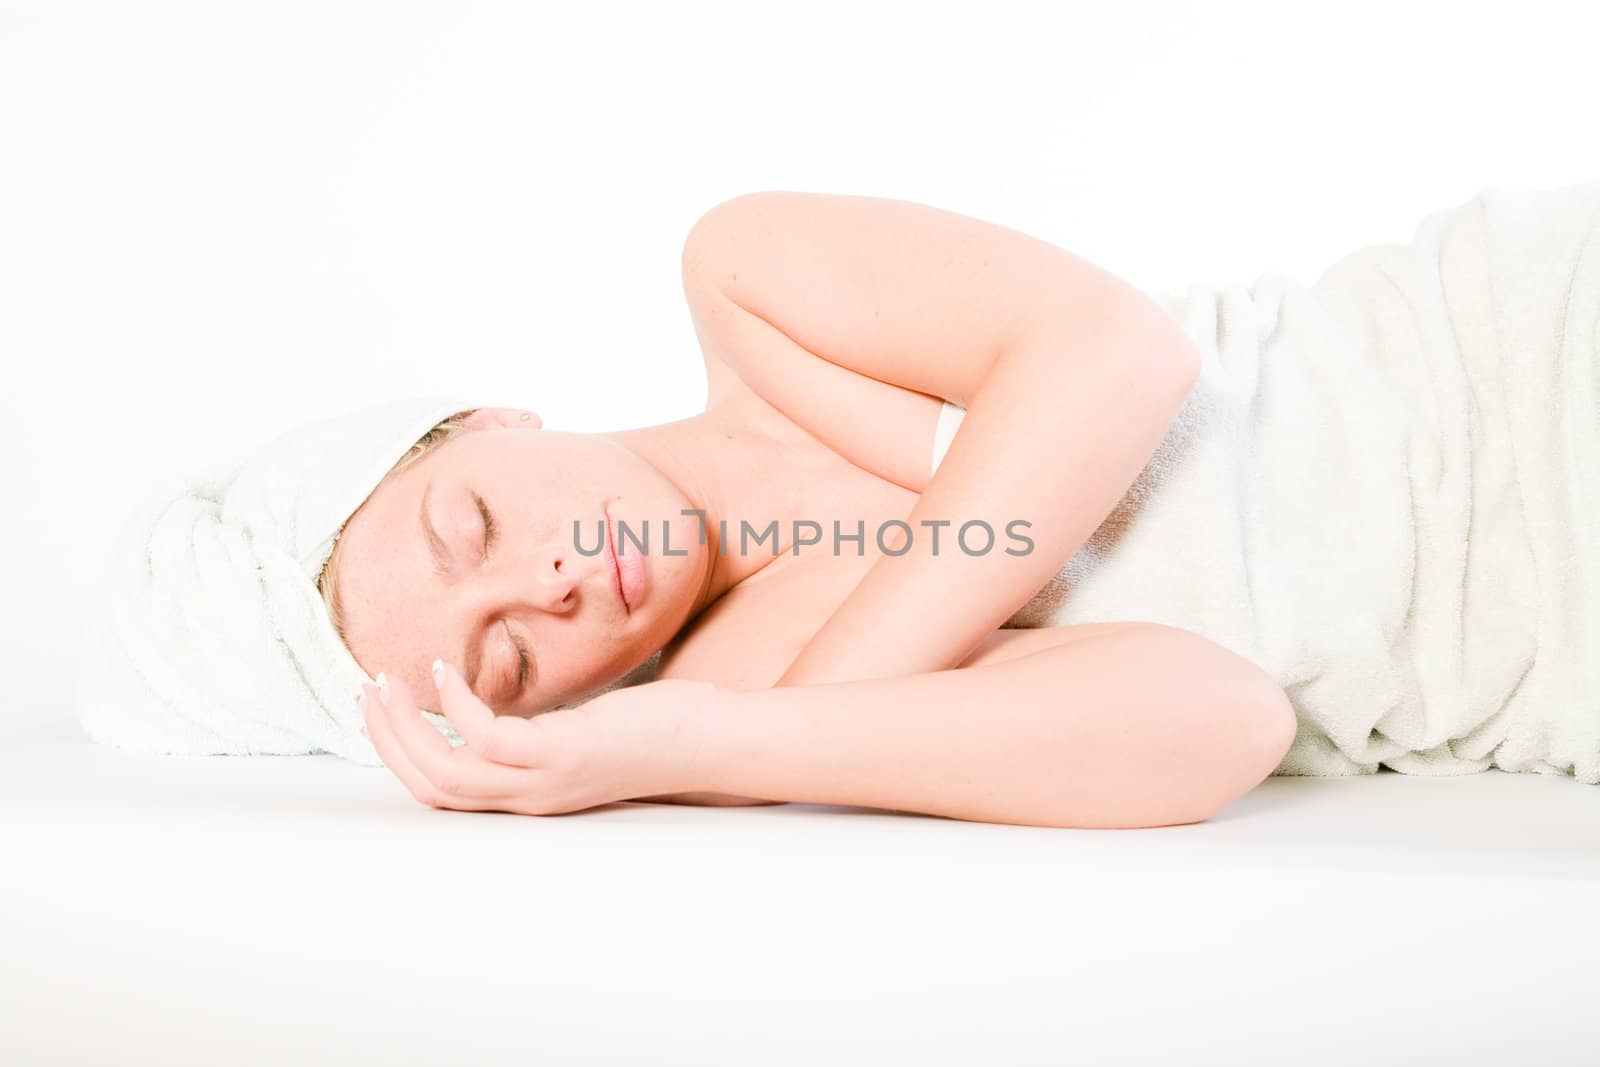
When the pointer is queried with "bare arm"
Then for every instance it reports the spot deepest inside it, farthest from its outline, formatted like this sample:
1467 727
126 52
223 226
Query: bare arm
1070 377
1142 725
1061 427
997 647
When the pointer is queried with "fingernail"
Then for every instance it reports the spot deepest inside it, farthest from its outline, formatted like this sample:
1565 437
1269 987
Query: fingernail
438 669
361 698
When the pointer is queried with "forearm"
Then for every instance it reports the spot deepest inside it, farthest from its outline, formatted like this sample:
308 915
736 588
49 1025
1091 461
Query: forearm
1145 727
1070 376
1061 426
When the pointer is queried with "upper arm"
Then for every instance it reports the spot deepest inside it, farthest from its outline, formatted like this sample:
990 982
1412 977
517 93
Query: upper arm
1006 644
911 296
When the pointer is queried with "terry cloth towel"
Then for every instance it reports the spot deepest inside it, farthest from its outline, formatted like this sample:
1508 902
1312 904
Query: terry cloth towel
212 638
1384 489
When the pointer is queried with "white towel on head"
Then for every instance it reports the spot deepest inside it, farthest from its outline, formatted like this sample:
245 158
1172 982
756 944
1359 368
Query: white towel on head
212 638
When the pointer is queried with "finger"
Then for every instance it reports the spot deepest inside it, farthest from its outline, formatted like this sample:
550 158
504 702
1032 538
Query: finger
459 773
505 739
392 753
470 716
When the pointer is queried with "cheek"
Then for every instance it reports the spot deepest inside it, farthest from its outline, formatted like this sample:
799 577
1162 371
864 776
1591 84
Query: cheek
571 667
387 631
375 649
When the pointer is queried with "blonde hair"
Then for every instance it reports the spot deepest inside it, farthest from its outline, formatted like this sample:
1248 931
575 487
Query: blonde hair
445 430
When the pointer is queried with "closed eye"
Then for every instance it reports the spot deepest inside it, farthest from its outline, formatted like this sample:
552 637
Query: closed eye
522 658
490 530
490 533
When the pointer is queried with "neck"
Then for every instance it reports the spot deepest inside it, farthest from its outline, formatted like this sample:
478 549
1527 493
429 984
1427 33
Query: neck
723 462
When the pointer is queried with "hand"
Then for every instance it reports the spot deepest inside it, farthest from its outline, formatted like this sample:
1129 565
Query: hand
623 744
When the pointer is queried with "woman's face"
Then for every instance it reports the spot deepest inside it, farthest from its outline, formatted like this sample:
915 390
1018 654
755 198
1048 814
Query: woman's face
408 598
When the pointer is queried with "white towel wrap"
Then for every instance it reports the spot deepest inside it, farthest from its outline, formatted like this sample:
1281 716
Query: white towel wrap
1385 490
212 638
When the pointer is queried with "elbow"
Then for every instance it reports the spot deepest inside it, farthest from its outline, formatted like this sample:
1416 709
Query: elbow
1188 738
1252 748
1167 349
1280 729
1269 726
1172 350
1241 724
1188 358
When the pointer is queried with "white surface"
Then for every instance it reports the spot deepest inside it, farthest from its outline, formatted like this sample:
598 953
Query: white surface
274 910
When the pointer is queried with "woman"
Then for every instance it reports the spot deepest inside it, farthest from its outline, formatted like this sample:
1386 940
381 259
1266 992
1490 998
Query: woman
863 671
969 526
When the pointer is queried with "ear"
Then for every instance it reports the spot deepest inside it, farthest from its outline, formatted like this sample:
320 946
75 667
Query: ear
515 418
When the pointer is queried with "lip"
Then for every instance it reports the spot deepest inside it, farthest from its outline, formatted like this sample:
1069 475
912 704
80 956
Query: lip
616 568
632 580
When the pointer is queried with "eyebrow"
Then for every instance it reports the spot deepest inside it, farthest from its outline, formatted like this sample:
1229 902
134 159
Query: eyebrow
441 556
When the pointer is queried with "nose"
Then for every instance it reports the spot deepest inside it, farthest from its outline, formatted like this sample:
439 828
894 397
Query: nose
556 575
523 584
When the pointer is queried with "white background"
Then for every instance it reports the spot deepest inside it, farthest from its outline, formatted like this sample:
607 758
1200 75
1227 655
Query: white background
219 220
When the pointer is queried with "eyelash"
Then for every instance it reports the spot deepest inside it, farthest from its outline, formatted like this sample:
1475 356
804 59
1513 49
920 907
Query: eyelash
489 531
489 528
522 657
